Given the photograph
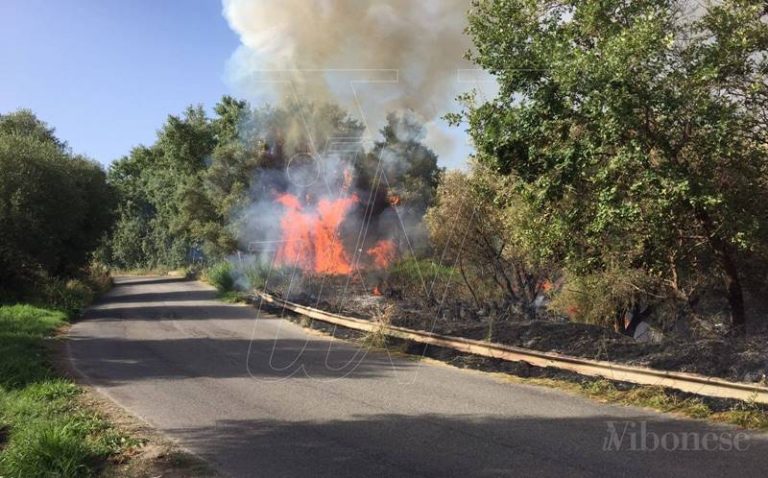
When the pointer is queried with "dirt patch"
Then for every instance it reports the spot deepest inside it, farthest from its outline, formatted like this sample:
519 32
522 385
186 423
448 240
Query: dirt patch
153 455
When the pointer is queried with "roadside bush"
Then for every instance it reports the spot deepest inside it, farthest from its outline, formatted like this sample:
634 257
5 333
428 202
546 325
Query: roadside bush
70 296
192 271
221 276
256 276
602 298
99 278
55 207
419 277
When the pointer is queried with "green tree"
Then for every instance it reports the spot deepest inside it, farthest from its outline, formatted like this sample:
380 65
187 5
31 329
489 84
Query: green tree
636 132
24 123
410 167
54 207
470 226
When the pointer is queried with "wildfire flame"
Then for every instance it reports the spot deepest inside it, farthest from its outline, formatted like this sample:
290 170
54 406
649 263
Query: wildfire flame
383 253
310 236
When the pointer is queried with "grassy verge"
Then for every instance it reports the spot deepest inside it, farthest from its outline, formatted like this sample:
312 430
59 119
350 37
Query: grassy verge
744 414
222 276
748 415
46 430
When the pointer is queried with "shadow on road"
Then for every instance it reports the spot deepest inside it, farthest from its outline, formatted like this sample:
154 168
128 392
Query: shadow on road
175 296
147 280
150 312
440 446
112 362
160 351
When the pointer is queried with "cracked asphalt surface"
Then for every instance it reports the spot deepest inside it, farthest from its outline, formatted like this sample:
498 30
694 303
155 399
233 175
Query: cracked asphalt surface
258 396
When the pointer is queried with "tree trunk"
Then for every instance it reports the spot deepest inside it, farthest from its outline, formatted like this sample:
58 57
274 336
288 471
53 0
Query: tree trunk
733 286
734 289
466 282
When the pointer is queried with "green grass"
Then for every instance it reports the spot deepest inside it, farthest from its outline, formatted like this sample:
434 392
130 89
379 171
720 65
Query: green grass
220 275
233 297
743 414
49 432
417 269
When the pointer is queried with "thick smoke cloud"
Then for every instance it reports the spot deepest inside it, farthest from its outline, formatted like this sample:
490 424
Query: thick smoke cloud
371 56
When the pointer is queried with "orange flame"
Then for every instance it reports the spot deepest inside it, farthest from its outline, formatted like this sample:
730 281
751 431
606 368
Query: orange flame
394 199
546 285
330 257
383 253
297 246
310 239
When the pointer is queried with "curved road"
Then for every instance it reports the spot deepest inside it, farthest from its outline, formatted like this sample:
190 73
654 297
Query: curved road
258 396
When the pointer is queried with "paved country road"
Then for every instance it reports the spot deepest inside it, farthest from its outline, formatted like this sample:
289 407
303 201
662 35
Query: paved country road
259 396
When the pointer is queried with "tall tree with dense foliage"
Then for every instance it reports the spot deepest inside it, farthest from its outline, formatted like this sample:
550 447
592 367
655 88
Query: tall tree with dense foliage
155 183
635 131
409 166
55 207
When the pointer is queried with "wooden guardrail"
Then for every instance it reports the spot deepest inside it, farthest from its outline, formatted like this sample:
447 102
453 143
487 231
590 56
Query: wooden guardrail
687 382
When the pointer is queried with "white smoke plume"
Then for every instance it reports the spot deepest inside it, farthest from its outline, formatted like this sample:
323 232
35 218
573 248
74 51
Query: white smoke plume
371 56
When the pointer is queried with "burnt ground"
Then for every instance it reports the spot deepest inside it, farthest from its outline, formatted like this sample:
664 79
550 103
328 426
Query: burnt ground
744 360
733 359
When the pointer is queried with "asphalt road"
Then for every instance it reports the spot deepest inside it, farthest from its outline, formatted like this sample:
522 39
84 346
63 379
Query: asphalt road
259 396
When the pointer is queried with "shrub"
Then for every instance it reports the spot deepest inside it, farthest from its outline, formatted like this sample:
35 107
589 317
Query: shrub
56 206
418 277
221 276
599 298
98 278
258 274
70 296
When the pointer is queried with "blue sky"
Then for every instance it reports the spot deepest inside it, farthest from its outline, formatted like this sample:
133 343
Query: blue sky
106 73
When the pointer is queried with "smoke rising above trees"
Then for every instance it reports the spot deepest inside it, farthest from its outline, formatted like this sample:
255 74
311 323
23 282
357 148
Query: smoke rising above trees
370 57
